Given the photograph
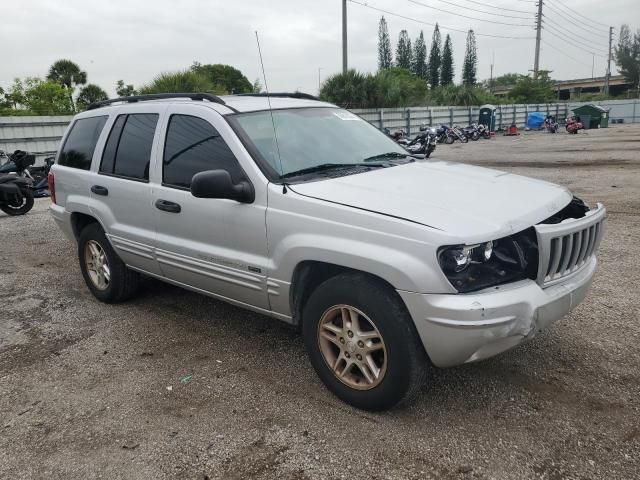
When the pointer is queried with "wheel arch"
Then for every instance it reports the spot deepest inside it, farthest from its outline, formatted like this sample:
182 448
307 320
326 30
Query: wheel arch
80 220
309 274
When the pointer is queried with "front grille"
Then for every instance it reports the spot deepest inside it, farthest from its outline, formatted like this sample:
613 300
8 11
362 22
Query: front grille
564 248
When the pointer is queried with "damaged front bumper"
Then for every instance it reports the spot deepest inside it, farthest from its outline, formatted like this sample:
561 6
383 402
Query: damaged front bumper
458 329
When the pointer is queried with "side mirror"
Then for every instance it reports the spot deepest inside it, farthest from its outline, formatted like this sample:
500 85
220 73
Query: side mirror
218 184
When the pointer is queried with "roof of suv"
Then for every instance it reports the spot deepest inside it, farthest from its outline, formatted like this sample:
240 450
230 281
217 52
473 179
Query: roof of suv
234 103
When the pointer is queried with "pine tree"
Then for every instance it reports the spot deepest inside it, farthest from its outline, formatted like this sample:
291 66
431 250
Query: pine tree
434 58
385 56
404 52
419 66
470 60
446 72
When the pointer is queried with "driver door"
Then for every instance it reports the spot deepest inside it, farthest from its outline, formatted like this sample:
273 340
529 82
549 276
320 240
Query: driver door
214 245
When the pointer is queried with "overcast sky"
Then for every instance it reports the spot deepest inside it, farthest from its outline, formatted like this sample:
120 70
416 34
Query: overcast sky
134 40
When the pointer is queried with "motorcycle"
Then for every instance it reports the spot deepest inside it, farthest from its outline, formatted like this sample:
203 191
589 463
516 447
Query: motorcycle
445 135
38 175
484 131
16 191
424 143
459 134
550 124
573 125
472 132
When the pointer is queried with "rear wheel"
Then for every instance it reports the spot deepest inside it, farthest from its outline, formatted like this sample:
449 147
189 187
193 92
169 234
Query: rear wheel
362 343
449 139
475 136
105 274
464 139
21 206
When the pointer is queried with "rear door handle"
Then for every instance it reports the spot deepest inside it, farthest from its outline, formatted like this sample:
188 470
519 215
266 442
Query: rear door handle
167 206
100 190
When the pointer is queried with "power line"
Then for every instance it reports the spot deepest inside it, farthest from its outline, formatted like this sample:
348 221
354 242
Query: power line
580 15
484 11
570 20
371 7
564 53
501 8
467 16
570 41
589 47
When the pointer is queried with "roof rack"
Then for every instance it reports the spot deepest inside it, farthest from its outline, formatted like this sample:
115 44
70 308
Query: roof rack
157 96
300 95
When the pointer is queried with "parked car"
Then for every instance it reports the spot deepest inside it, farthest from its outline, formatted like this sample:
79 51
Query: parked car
300 210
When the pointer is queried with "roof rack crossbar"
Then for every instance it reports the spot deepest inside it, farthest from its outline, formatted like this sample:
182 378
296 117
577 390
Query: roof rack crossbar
301 95
157 96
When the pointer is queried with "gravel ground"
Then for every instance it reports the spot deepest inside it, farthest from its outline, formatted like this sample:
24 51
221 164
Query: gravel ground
176 385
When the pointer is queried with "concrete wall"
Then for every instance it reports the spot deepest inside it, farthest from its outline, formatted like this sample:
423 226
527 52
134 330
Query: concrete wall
410 119
38 135
41 135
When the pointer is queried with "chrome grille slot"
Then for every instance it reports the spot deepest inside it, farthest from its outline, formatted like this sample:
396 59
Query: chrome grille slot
564 248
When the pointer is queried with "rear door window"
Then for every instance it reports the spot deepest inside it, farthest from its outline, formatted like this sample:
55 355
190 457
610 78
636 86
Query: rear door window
80 144
192 146
128 149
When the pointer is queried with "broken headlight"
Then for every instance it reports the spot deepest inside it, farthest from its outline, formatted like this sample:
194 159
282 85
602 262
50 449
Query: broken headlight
474 267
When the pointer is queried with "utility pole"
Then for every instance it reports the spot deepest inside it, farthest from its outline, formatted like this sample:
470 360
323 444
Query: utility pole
608 77
344 36
493 60
536 62
319 84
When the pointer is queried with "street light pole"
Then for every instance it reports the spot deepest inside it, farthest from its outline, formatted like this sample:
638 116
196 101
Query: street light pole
344 36
319 83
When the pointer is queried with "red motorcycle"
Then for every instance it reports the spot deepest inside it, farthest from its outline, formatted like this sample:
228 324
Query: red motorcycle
574 124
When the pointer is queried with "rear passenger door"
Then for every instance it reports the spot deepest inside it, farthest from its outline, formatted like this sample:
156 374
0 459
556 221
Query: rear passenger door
120 189
215 245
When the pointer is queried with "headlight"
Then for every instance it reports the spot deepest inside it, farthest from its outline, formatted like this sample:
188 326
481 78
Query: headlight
482 265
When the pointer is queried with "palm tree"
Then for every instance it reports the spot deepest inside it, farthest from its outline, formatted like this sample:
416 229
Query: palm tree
89 94
68 74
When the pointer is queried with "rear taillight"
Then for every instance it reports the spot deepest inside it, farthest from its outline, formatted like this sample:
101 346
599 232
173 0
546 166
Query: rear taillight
52 186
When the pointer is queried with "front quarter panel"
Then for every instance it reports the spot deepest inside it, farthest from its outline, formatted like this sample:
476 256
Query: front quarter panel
302 229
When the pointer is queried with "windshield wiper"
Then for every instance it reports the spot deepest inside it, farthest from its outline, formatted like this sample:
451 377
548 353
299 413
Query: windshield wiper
329 166
388 155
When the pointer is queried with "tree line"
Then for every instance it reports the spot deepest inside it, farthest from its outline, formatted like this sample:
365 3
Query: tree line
65 89
417 77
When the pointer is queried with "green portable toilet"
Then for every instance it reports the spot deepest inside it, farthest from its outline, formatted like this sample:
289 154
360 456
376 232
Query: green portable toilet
488 117
592 116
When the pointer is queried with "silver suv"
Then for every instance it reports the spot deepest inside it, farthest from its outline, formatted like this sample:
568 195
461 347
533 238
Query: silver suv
302 211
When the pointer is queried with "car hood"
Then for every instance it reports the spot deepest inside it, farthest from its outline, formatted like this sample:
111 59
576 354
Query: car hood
465 201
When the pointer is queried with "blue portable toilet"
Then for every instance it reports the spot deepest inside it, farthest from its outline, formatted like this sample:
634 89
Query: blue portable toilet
535 120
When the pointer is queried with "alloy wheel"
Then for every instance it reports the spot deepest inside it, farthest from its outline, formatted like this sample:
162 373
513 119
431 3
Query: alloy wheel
97 265
352 347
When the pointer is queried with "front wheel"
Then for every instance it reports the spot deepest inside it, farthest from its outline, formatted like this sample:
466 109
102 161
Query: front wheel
464 139
449 139
475 136
362 342
19 207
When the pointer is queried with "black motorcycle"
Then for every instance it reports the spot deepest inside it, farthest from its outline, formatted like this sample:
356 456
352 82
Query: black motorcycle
16 189
484 131
424 143
472 132
38 175
445 135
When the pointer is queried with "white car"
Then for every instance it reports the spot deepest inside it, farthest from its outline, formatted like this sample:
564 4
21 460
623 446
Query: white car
300 210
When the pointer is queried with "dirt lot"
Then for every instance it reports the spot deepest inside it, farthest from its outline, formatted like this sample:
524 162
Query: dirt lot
176 385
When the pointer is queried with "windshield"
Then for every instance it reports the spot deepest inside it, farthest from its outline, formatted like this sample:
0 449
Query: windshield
315 137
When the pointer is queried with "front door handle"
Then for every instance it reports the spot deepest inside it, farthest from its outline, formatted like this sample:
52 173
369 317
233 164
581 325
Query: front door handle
167 206
100 190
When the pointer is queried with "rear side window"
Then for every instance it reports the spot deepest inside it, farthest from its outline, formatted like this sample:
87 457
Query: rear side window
80 144
192 146
128 149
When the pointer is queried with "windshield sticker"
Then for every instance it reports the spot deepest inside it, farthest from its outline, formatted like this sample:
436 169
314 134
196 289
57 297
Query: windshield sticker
346 116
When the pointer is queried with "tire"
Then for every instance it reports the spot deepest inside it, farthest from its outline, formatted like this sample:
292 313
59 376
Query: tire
464 139
24 207
121 284
399 357
449 140
475 136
